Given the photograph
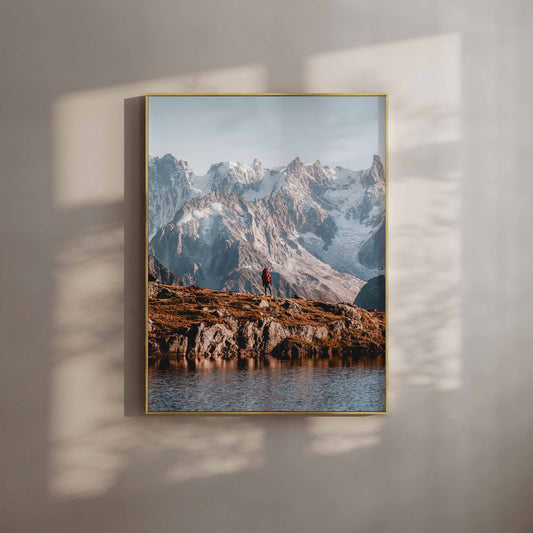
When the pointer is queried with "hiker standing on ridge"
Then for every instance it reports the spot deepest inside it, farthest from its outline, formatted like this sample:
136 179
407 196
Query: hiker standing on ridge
267 281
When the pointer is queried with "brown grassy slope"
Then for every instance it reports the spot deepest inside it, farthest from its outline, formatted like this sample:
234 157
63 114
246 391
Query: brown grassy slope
194 323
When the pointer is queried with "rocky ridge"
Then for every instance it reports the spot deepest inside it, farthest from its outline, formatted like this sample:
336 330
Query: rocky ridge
192 325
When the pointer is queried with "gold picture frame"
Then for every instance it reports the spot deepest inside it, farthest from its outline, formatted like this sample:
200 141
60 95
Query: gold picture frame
146 299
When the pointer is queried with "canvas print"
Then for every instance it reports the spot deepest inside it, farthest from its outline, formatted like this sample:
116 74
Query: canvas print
266 250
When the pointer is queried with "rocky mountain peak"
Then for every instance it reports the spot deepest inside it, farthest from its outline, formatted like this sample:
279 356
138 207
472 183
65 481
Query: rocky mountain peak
258 169
183 165
319 173
374 177
169 183
168 165
231 176
295 166
377 169
216 167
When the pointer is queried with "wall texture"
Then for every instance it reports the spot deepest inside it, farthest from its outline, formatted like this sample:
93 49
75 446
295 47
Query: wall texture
454 454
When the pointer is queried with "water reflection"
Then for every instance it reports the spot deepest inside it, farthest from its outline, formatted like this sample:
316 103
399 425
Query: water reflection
267 385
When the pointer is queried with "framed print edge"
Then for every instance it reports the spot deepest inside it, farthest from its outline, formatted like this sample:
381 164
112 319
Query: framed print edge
147 97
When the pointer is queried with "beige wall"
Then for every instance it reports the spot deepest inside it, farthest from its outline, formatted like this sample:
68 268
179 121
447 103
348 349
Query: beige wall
455 452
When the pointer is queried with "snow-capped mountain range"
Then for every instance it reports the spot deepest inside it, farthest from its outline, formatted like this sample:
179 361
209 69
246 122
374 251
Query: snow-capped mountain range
319 229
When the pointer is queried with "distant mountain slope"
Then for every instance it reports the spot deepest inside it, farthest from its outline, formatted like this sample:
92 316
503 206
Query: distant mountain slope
372 295
372 252
307 222
223 242
158 272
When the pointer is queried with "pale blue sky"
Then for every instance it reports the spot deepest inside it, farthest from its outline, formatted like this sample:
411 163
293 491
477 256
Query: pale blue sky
338 130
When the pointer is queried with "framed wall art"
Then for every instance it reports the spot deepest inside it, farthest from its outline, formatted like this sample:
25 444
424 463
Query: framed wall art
266 253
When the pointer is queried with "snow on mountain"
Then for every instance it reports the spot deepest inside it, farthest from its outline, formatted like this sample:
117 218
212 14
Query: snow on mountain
318 228
172 183
355 201
222 241
233 177
169 187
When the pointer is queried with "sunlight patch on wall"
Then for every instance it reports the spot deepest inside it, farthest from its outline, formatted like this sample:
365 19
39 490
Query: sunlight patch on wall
228 446
86 450
88 130
331 436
